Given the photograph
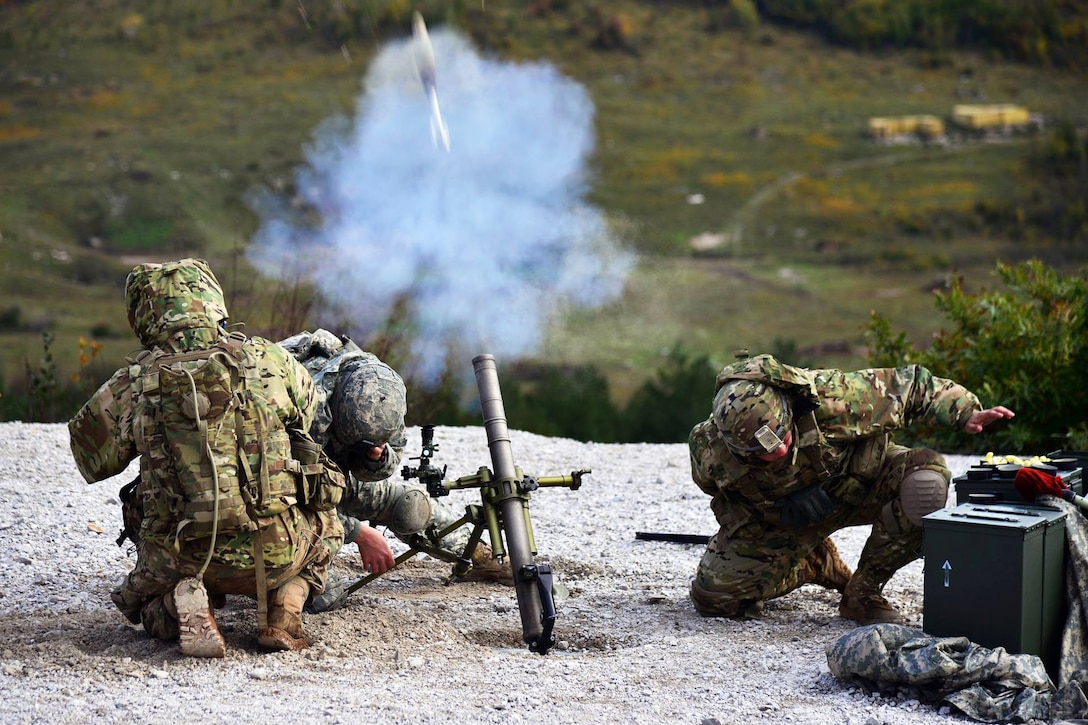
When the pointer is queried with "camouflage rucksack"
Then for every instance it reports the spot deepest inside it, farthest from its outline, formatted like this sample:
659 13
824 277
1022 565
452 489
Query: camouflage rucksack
201 417
216 457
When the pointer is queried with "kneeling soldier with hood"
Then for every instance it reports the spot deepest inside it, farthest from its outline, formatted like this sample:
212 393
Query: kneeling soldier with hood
224 506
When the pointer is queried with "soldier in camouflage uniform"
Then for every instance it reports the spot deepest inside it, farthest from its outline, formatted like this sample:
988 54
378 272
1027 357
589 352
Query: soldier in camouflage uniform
360 423
168 590
791 455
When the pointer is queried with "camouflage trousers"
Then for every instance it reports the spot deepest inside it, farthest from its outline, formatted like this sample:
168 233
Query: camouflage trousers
145 595
762 559
377 502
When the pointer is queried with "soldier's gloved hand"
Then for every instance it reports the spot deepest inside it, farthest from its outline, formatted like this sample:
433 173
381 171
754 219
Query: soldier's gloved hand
805 507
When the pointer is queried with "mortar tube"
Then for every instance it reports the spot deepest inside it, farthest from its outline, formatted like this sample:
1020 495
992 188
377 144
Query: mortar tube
505 474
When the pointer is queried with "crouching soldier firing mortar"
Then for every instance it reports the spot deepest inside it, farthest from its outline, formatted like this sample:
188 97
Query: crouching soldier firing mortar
360 423
220 503
792 455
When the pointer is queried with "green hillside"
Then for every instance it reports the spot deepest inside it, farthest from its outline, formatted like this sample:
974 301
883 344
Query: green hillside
133 131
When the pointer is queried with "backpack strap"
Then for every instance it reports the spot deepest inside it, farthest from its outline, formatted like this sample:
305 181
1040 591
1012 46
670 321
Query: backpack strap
261 580
251 375
809 445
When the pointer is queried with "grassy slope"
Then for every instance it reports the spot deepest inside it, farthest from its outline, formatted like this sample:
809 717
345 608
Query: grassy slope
679 118
150 142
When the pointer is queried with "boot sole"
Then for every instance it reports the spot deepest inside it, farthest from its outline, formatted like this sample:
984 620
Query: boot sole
891 617
276 639
198 634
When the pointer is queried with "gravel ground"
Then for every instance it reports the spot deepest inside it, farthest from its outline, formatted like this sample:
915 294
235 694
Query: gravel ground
409 648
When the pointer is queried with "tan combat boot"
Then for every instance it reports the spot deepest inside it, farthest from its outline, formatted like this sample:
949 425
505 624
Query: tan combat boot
863 602
824 567
486 568
284 630
198 633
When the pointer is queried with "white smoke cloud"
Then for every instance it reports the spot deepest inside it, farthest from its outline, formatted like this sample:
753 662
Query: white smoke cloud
487 240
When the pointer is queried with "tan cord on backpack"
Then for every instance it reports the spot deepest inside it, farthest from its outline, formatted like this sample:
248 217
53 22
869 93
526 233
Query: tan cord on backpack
258 543
202 425
246 472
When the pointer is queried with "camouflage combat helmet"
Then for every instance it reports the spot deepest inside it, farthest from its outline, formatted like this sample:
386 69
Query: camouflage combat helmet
164 299
751 416
368 404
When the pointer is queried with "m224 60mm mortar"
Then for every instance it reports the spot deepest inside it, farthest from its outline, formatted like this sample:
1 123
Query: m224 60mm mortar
503 511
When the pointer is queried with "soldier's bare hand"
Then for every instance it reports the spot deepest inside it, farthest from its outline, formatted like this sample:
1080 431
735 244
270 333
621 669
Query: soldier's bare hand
374 550
983 418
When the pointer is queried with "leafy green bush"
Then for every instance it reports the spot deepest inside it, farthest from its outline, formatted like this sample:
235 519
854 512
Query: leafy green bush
574 401
569 402
11 317
1038 31
1025 348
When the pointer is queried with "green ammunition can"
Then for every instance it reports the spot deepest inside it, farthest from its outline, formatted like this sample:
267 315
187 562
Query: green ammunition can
995 574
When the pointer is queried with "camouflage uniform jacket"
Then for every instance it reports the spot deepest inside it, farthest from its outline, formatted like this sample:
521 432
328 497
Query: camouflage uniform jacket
104 432
842 425
322 354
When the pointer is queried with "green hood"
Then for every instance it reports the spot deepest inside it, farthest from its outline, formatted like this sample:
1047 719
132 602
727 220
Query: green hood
165 299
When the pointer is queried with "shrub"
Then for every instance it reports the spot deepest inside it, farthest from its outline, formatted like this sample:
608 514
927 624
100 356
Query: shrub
667 406
1025 348
11 317
1037 31
569 402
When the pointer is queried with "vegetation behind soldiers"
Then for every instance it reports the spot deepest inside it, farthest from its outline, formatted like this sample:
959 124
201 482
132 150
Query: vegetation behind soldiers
1039 32
74 102
1041 309
1027 346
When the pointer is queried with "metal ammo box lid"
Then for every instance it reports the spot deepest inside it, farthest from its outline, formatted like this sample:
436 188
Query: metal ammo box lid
995 574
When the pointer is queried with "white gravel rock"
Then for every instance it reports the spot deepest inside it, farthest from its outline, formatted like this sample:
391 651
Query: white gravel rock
409 648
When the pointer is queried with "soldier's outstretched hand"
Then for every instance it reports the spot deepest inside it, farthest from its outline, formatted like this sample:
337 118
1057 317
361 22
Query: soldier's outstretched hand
983 418
374 550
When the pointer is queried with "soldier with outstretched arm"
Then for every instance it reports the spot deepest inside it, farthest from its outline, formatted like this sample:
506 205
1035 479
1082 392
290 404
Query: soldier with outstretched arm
791 455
